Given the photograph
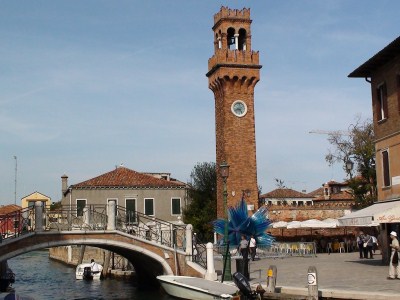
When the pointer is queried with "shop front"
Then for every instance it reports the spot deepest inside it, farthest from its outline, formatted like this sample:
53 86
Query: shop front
384 215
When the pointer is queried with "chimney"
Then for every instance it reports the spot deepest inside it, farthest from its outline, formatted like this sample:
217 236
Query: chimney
64 185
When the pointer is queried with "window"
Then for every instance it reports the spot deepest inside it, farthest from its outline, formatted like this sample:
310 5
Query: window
80 205
242 39
381 104
130 205
149 207
231 38
385 168
176 206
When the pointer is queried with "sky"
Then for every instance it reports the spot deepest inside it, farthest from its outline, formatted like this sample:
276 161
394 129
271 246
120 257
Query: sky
88 85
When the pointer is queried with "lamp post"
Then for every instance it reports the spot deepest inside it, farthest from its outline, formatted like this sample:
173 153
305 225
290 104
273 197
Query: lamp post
226 273
349 167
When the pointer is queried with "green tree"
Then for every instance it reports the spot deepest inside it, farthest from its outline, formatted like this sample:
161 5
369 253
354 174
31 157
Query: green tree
203 194
355 150
55 205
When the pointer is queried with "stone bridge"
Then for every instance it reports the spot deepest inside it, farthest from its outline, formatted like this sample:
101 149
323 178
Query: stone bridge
152 246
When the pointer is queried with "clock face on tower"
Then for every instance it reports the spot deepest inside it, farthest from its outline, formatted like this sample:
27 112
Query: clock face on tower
239 108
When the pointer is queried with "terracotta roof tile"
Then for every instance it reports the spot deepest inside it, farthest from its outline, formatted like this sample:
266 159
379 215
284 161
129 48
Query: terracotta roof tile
284 193
317 192
344 195
124 177
6 209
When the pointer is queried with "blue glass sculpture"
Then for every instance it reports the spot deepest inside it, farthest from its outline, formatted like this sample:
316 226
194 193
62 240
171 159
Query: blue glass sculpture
240 223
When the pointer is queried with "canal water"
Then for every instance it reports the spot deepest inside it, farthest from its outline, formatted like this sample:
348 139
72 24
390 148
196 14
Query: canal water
41 278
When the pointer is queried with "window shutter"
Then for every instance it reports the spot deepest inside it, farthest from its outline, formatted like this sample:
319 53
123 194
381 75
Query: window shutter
385 166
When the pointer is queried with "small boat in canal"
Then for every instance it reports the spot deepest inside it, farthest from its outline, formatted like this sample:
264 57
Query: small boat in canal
186 287
84 271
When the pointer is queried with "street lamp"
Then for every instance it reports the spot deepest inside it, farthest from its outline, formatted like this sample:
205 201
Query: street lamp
349 166
226 273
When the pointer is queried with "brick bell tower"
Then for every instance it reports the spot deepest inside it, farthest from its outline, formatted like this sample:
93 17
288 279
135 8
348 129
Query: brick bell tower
233 72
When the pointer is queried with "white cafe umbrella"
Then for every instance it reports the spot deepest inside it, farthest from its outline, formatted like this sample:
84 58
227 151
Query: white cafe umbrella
332 222
314 223
279 224
293 224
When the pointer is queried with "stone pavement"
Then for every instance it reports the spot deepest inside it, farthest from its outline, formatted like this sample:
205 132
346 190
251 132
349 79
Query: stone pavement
340 275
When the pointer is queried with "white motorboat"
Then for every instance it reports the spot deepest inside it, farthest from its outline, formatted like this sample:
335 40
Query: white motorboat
84 271
186 287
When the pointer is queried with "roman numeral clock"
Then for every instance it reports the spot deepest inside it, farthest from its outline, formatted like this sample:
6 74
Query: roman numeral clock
233 72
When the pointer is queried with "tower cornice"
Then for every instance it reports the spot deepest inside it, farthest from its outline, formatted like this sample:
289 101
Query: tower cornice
216 67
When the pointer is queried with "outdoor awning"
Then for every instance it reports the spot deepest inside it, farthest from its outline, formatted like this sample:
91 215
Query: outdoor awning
381 212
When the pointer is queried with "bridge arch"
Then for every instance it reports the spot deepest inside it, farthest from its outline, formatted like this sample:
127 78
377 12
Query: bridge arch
148 258
153 246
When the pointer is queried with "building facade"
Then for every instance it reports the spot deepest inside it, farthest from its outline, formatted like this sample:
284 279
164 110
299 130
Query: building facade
29 201
153 194
233 72
382 71
331 201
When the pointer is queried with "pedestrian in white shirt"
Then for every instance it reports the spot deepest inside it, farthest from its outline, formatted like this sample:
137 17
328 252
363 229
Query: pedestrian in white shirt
253 247
94 266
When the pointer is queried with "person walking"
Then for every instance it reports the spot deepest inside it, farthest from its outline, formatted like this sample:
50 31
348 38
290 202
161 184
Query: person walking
360 242
375 244
394 267
252 247
243 247
367 246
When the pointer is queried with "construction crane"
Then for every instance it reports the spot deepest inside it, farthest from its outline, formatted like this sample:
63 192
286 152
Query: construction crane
341 132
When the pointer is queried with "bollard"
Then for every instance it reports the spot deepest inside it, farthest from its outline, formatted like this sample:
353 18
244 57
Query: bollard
271 279
312 279
210 274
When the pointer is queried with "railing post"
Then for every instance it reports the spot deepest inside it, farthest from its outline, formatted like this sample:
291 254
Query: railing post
86 213
38 216
159 237
210 274
171 230
189 242
111 215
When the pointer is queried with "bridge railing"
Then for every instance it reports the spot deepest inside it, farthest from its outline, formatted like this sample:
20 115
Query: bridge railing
150 228
199 251
17 223
91 217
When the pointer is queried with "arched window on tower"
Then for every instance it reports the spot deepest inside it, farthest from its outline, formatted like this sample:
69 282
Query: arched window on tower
231 38
242 39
